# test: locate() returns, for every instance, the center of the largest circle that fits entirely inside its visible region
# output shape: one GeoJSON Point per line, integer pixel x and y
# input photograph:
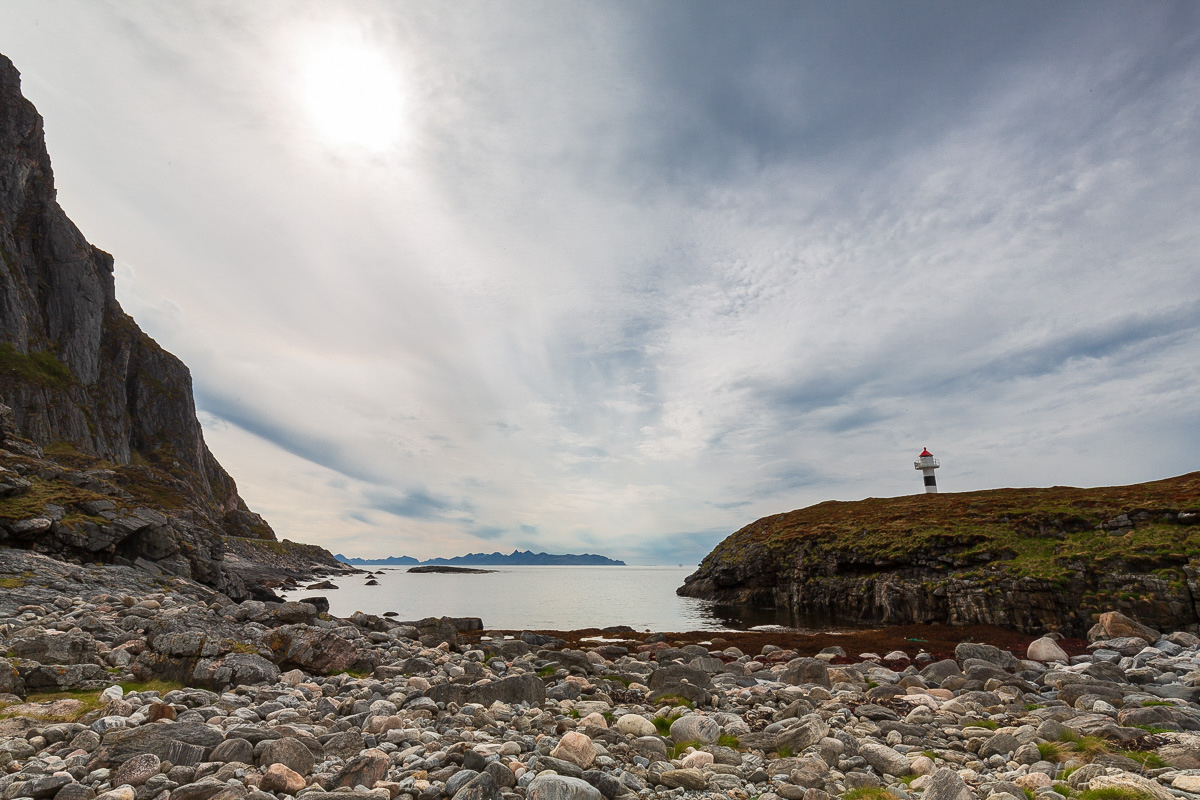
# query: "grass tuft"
{"type": "Point", "coordinates": [1051, 751]}
{"type": "Point", "coordinates": [868, 793]}
{"type": "Point", "coordinates": [1087, 746]}
{"type": "Point", "coordinates": [1145, 759]}
{"type": "Point", "coordinates": [1112, 793]}
{"type": "Point", "coordinates": [681, 747]}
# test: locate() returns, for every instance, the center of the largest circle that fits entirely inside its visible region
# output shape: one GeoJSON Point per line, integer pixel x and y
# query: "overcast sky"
{"type": "Point", "coordinates": [622, 277]}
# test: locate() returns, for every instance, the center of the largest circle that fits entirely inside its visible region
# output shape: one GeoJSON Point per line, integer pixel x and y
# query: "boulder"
{"type": "Point", "coordinates": [674, 674]}
{"type": "Point", "coordinates": [561, 787]}
{"type": "Point", "coordinates": [1117, 625]}
{"type": "Point", "coordinates": [137, 770]}
{"type": "Point", "coordinates": [163, 739]}
{"type": "Point", "coordinates": [481, 787]}
{"type": "Point", "coordinates": [884, 759]}
{"type": "Point", "coordinates": [11, 681]}
{"type": "Point", "coordinates": [367, 769]}
{"type": "Point", "coordinates": [314, 650]}
{"type": "Point", "coordinates": [577, 748]}
{"type": "Point", "coordinates": [61, 677]}
{"type": "Point", "coordinates": [683, 779]}
{"type": "Point", "coordinates": [292, 612]}
{"type": "Point", "coordinates": [1004, 744]}
{"type": "Point", "coordinates": [811, 730]}
{"type": "Point", "coordinates": [515, 689]}
{"type": "Point", "coordinates": [938, 671]}
{"type": "Point", "coordinates": [233, 749]}
{"type": "Point", "coordinates": [803, 671]}
{"type": "Point", "coordinates": [279, 778]}
{"type": "Point", "coordinates": [433, 631]}
{"type": "Point", "coordinates": [287, 751]}
{"type": "Point", "coordinates": [635, 725]}
{"type": "Point", "coordinates": [1044, 650]}
{"type": "Point", "coordinates": [985, 652]}
{"type": "Point", "coordinates": [695, 728]}
{"type": "Point", "coordinates": [55, 647]}
{"type": "Point", "coordinates": [234, 669]}
{"type": "Point", "coordinates": [344, 745]}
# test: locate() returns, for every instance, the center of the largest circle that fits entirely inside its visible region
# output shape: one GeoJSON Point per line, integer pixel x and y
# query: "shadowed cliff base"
{"type": "Point", "coordinates": [1031, 559]}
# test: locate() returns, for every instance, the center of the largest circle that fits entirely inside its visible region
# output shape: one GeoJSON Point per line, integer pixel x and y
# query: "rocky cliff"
{"type": "Point", "coordinates": [1031, 559]}
{"type": "Point", "coordinates": [102, 455]}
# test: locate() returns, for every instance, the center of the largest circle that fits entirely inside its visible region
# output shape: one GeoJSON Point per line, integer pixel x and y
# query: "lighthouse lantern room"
{"type": "Point", "coordinates": [927, 464]}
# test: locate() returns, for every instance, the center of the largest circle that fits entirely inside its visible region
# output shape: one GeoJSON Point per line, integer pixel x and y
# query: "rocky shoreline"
{"type": "Point", "coordinates": [1037, 560]}
{"type": "Point", "coordinates": [272, 701]}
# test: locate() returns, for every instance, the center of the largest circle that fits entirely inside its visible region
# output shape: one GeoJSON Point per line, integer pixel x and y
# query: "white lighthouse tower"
{"type": "Point", "coordinates": [927, 464]}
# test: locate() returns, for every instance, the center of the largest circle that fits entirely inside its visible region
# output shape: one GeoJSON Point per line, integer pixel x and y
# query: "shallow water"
{"type": "Point", "coordinates": [542, 598]}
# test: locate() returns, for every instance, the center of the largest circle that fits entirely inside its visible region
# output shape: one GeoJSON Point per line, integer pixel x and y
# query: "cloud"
{"type": "Point", "coordinates": [641, 269]}
{"type": "Point", "coordinates": [414, 504]}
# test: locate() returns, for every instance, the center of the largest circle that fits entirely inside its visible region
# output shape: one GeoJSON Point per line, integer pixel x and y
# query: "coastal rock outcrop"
{"type": "Point", "coordinates": [101, 454]}
{"type": "Point", "coordinates": [1032, 559]}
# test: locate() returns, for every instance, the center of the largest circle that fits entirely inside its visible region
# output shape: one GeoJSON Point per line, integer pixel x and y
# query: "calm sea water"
{"type": "Point", "coordinates": [542, 598]}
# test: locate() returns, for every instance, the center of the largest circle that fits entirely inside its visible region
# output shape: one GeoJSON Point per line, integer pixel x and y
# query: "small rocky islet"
{"type": "Point", "coordinates": [271, 701]}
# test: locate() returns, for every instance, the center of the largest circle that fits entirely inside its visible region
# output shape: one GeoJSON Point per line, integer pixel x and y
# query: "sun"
{"type": "Point", "coordinates": [352, 96]}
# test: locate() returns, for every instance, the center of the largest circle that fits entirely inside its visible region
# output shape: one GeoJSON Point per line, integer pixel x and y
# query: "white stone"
{"type": "Point", "coordinates": [635, 725]}
{"type": "Point", "coordinates": [1044, 650]}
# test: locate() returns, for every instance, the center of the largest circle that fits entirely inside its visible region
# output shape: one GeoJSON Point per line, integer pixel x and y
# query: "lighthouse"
{"type": "Point", "coordinates": [927, 464]}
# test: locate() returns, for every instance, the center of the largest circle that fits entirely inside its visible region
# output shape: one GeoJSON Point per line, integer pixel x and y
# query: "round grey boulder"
{"type": "Point", "coordinates": [695, 728]}
{"type": "Point", "coordinates": [560, 787]}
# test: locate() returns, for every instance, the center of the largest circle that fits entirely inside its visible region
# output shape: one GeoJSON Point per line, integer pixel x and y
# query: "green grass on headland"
{"type": "Point", "coordinates": [1037, 533]}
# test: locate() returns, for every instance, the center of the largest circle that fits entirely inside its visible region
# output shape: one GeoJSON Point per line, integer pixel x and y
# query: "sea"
{"type": "Point", "coordinates": [545, 598]}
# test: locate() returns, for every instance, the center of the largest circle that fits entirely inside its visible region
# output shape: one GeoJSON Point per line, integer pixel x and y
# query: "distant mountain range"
{"type": "Point", "coordinates": [516, 558]}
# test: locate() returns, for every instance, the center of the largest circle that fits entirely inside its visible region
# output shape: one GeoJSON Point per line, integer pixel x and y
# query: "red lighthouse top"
{"type": "Point", "coordinates": [925, 452]}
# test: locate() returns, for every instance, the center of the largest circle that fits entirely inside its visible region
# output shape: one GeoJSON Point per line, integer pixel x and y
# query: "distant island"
{"type": "Point", "coordinates": [515, 558]}
{"type": "Point", "coordinates": [445, 570]}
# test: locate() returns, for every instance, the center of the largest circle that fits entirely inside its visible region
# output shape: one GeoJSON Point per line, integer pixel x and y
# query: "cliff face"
{"type": "Point", "coordinates": [1031, 559]}
{"type": "Point", "coordinates": [88, 393]}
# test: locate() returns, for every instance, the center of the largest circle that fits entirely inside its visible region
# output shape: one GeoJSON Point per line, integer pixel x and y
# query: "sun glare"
{"type": "Point", "coordinates": [353, 96]}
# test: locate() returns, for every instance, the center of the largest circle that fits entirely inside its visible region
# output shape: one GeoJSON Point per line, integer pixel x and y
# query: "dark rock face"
{"type": "Point", "coordinates": [108, 458]}
{"type": "Point", "coordinates": [516, 689]}
{"type": "Point", "coordinates": [974, 558]}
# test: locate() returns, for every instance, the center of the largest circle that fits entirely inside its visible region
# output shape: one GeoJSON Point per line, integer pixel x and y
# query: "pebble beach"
{"type": "Point", "coordinates": [120, 685]}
